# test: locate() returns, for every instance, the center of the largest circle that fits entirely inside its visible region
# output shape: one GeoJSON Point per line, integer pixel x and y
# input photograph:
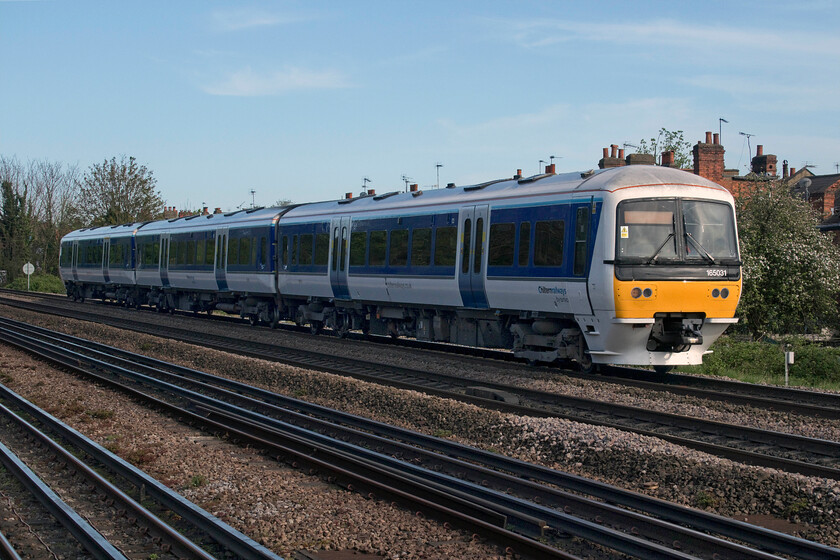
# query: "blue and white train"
{"type": "Point", "coordinates": [630, 265]}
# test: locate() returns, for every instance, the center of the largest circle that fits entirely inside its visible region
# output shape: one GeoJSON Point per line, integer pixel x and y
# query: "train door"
{"type": "Point", "coordinates": [164, 260]}
{"type": "Point", "coordinates": [221, 258]}
{"type": "Point", "coordinates": [106, 259]}
{"type": "Point", "coordinates": [340, 234]}
{"type": "Point", "coordinates": [471, 265]}
{"type": "Point", "coordinates": [74, 261]}
{"type": "Point", "coordinates": [579, 288]}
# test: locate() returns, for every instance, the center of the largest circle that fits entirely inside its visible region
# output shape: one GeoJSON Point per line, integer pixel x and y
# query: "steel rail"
{"type": "Point", "coordinates": [90, 539]}
{"type": "Point", "coordinates": [210, 525]}
{"type": "Point", "coordinates": [762, 539]}
{"type": "Point", "coordinates": [7, 551]}
{"type": "Point", "coordinates": [339, 463]}
{"type": "Point", "coordinates": [419, 380]}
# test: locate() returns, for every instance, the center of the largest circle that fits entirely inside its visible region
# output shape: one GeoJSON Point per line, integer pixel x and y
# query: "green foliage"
{"type": "Point", "coordinates": [118, 192]}
{"type": "Point", "coordinates": [791, 270]}
{"type": "Point", "coordinates": [763, 362]}
{"type": "Point", "coordinates": [669, 140]}
{"type": "Point", "coordinates": [198, 480]}
{"type": "Point", "coordinates": [15, 228]}
{"type": "Point", "coordinates": [46, 283]}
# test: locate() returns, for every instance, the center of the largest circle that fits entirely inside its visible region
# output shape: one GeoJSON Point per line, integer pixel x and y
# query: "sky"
{"type": "Point", "coordinates": [305, 100]}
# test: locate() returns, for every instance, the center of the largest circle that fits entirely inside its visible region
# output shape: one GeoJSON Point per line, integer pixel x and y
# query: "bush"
{"type": "Point", "coordinates": [47, 283]}
{"type": "Point", "coordinates": [763, 361]}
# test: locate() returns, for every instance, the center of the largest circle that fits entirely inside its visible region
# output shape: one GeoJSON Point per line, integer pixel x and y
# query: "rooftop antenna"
{"type": "Point", "coordinates": [253, 203]}
{"type": "Point", "coordinates": [437, 170]}
{"type": "Point", "coordinates": [631, 145]}
{"type": "Point", "coordinates": [365, 181]}
{"type": "Point", "coordinates": [808, 165]}
{"type": "Point", "coordinates": [721, 120]}
{"type": "Point", "coordinates": [836, 167]}
{"type": "Point", "coordinates": [540, 168]}
{"type": "Point", "coordinates": [749, 148]}
{"type": "Point", "coordinates": [406, 179]}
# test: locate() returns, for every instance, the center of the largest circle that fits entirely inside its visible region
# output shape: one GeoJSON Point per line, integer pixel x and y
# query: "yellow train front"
{"type": "Point", "coordinates": [671, 276]}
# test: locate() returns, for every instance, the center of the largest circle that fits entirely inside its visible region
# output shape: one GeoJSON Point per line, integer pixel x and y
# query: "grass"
{"type": "Point", "coordinates": [764, 362]}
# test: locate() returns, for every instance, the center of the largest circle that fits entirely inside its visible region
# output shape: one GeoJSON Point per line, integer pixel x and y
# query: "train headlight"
{"type": "Point", "coordinates": [715, 292]}
{"type": "Point", "coordinates": [724, 293]}
{"type": "Point", "coordinates": [635, 293]}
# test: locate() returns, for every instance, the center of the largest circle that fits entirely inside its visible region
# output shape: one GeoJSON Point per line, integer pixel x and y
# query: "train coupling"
{"type": "Point", "coordinates": [675, 332]}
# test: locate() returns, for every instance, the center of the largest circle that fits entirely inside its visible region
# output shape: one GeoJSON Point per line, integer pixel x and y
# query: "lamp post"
{"type": "Point", "coordinates": [721, 120]}
{"type": "Point", "coordinates": [437, 171]}
{"type": "Point", "coordinates": [540, 168]}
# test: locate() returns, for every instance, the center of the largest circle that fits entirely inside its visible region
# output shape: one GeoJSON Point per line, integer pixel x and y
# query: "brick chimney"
{"type": "Point", "coordinates": [641, 159]}
{"type": "Point", "coordinates": [763, 164]}
{"type": "Point", "coordinates": [611, 158]}
{"type": "Point", "coordinates": [708, 159]}
{"type": "Point", "coordinates": [217, 211]}
{"type": "Point", "coordinates": [667, 158]}
{"type": "Point", "coordinates": [550, 169]}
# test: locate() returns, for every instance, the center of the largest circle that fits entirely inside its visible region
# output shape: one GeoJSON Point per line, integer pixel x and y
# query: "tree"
{"type": "Point", "coordinates": [118, 192]}
{"type": "Point", "coordinates": [15, 230]}
{"type": "Point", "coordinates": [669, 141]}
{"type": "Point", "coordinates": [791, 270]}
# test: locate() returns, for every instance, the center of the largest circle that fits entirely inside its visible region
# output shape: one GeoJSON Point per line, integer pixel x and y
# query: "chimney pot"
{"type": "Point", "coordinates": [784, 169]}
{"type": "Point", "coordinates": [621, 153]}
{"type": "Point", "coordinates": [708, 137]}
{"type": "Point", "coordinates": [606, 152]}
{"type": "Point", "coordinates": [413, 187]}
{"type": "Point", "coordinates": [348, 195]}
{"type": "Point", "coordinates": [550, 169]}
{"type": "Point", "coordinates": [613, 149]}
{"type": "Point", "coordinates": [371, 192]}
{"type": "Point", "coordinates": [716, 137]}
{"type": "Point", "coordinates": [518, 174]}
{"type": "Point", "coordinates": [759, 150]}
{"type": "Point", "coordinates": [217, 211]}
{"type": "Point", "coordinates": [204, 211]}
{"type": "Point", "coordinates": [792, 171]}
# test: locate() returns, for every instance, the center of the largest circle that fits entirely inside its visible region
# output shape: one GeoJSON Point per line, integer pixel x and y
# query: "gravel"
{"type": "Point", "coordinates": [300, 513]}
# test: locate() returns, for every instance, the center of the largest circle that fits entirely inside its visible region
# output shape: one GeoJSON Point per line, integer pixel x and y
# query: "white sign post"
{"type": "Point", "coordinates": [28, 269]}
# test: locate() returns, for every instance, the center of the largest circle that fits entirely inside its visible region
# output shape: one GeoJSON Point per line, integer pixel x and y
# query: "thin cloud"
{"type": "Point", "coordinates": [243, 18]}
{"type": "Point", "coordinates": [542, 33]}
{"type": "Point", "coordinates": [247, 83]}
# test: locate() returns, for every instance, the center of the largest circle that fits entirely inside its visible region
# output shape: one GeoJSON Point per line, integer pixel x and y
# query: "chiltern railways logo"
{"type": "Point", "coordinates": [551, 290]}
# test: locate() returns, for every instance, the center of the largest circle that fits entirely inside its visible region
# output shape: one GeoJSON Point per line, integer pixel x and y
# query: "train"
{"type": "Point", "coordinates": [634, 265]}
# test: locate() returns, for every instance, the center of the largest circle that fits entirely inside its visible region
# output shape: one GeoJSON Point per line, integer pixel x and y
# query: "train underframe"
{"type": "Point", "coordinates": [531, 336]}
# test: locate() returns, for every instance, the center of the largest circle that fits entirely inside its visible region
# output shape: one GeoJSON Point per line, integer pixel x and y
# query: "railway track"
{"type": "Point", "coordinates": [101, 493]}
{"type": "Point", "coordinates": [770, 397]}
{"type": "Point", "coordinates": [791, 453]}
{"type": "Point", "coordinates": [536, 502]}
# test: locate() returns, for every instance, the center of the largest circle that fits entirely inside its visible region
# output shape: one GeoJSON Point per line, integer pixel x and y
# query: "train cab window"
{"type": "Point", "coordinates": [581, 241]}
{"type": "Point", "coordinates": [398, 255]}
{"type": "Point", "coordinates": [524, 243]}
{"type": "Point", "coordinates": [66, 258]}
{"type": "Point", "coordinates": [479, 244]}
{"type": "Point", "coordinates": [708, 230]}
{"type": "Point", "coordinates": [306, 241]}
{"type": "Point", "coordinates": [646, 229]}
{"type": "Point", "coordinates": [378, 241]}
{"type": "Point", "coordinates": [358, 244]}
{"type": "Point", "coordinates": [445, 246]}
{"type": "Point", "coordinates": [322, 248]}
{"type": "Point", "coordinates": [421, 247]}
{"type": "Point", "coordinates": [548, 243]}
{"type": "Point", "coordinates": [501, 245]}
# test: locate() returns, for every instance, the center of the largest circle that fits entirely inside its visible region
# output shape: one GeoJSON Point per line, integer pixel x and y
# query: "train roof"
{"type": "Point", "coordinates": [518, 190]}
{"type": "Point", "coordinates": [249, 217]}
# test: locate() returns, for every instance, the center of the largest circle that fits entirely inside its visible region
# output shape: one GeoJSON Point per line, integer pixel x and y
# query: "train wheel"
{"type": "Point", "coordinates": [253, 320]}
{"type": "Point", "coordinates": [275, 318]}
{"type": "Point", "coordinates": [663, 369]}
{"type": "Point", "coordinates": [315, 327]}
{"type": "Point", "coordinates": [586, 365]}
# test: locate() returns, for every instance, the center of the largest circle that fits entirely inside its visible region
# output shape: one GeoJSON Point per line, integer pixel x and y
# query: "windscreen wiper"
{"type": "Point", "coordinates": [700, 248]}
{"type": "Point", "coordinates": [655, 255]}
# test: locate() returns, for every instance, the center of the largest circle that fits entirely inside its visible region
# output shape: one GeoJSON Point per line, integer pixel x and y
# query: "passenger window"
{"type": "Point", "coordinates": [581, 240]}
{"type": "Point", "coordinates": [306, 248]}
{"type": "Point", "coordinates": [210, 251]}
{"type": "Point", "coordinates": [322, 248]}
{"type": "Point", "coordinates": [524, 243]}
{"type": "Point", "coordinates": [191, 252]}
{"type": "Point", "coordinates": [376, 255]}
{"type": "Point", "coordinates": [500, 248]}
{"type": "Point", "coordinates": [343, 255]}
{"type": "Point", "coordinates": [398, 255]}
{"type": "Point", "coordinates": [245, 251]}
{"type": "Point", "coordinates": [421, 247]}
{"type": "Point", "coordinates": [335, 249]}
{"type": "Point", "coordinates": [294, 250]}
{"type": "Point", "coordinates": [264, 252]}
{"type": "Point", "coordinates": [445, 245]}
{"type": "Point", "coordinates": [548, 244]}
{"type": "Point", "coordinates": [284, 255]}
{"type": "Point", "coordinates": [182, 252]}
{"type": "Point", "coordinates": [200, 251]}
{"type": "Point", "coordinates": [358, 242]}
{"type": "Point", "coordinates": [173, 254]}
{"type": "Point", "coordinates": [465, 247]}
